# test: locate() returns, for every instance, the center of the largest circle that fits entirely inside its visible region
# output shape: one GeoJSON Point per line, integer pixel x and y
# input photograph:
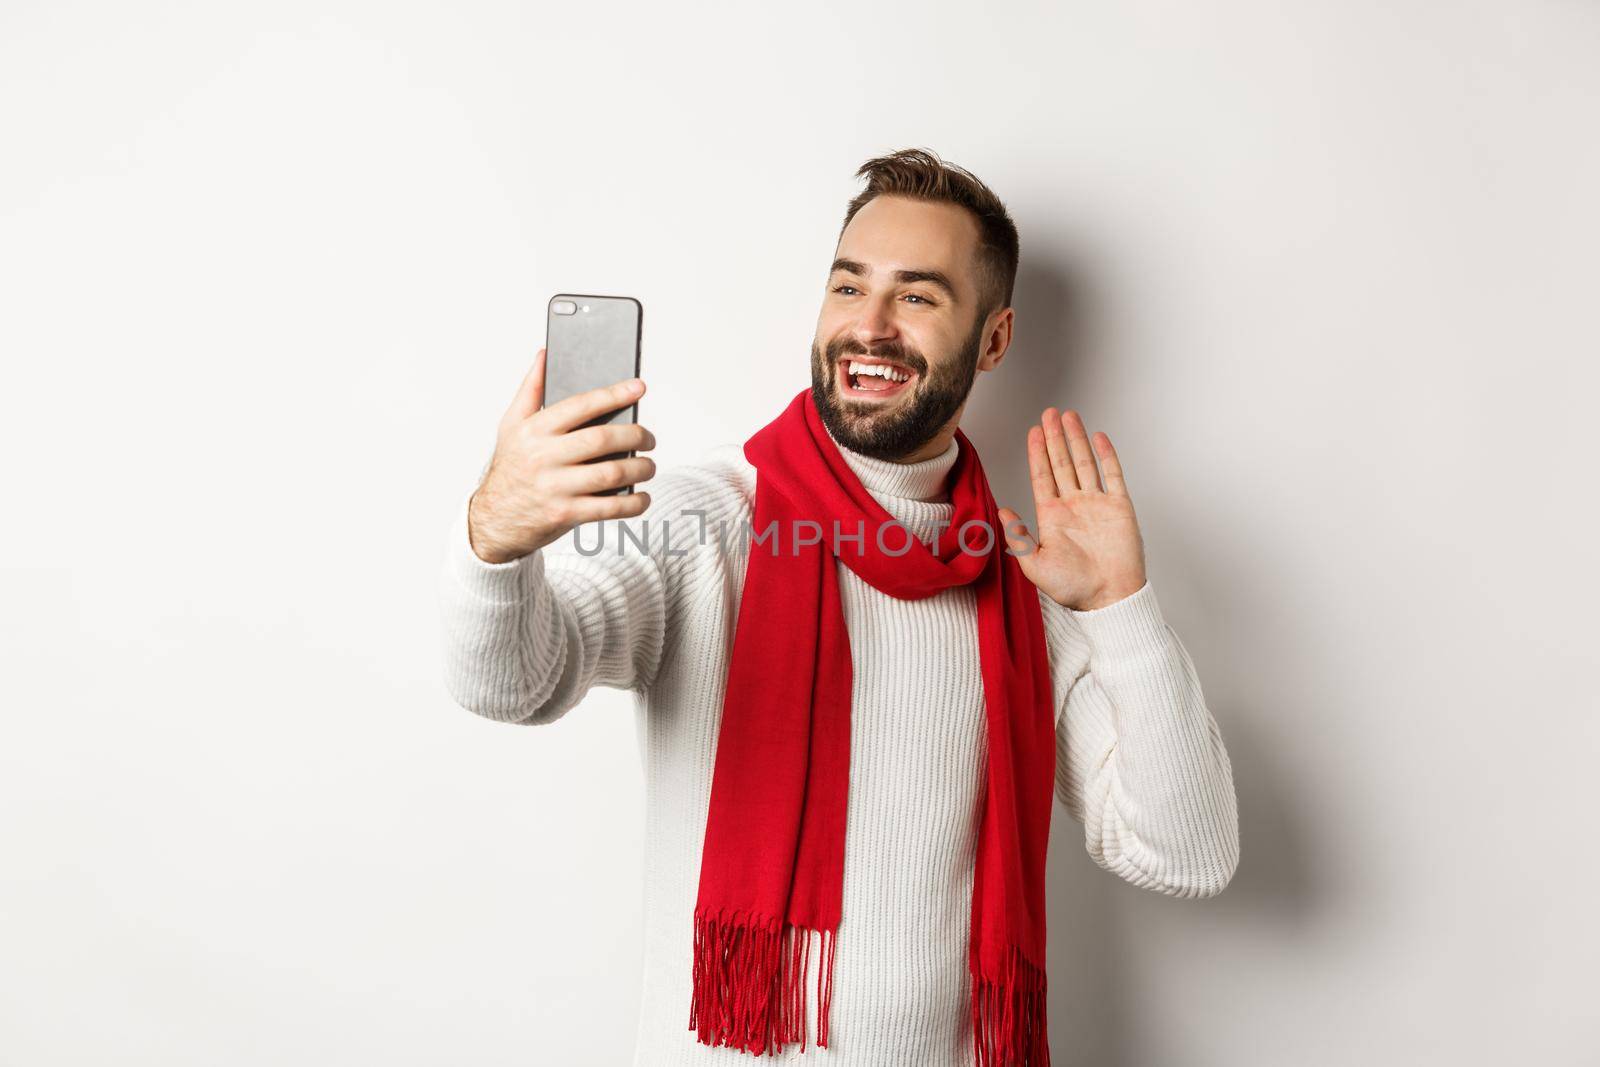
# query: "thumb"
{"type": "Point", "coordinates": [1017, 535]}
{"type": "Point", "coordinates": [530, 394]}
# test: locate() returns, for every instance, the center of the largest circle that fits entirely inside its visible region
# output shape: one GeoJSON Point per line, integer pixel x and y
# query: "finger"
{"type": "Point", "coordinates": [1111, 465]}
{"type": "Point", "coordinates": [598, 508]}
{"type": "Point", "coordinates": [1055, 440]}
{"type": "Point", "coordinates": [1017, 534]}
{"type": "Point", "coordinates": [584, 479]}
{"type": "Point", "coordinates": [530, 394]}
{"type": "Point", "coordinates": [563, 415]}
{"type": "Point", "coordinates": [1082, 454]}
{"type": "Point", "coordinates": [1044, 480]}
{"type": "Point", "coordinates": [591, 442]}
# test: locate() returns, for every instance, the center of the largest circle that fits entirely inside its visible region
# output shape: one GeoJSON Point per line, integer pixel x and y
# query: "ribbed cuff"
{"type": "Point", "coordinates": [1126, 629]}
{"type": "Point", "coordinates": [498, 583]}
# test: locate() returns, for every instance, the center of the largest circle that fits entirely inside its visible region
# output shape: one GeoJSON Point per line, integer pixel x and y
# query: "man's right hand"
{"type": "Point", "coordinates": [539, 486]}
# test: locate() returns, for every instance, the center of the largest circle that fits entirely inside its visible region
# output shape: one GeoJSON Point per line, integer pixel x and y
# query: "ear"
{"type": "Point", "coordinates": [996, 339]}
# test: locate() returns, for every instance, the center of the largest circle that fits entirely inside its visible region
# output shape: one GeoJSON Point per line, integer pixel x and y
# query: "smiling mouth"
{"type": "Point", "coordinates": [873, 379]}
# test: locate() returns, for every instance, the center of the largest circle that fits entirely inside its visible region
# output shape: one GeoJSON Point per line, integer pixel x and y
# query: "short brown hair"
{"type": "Point", "coordinates": [919, 174]}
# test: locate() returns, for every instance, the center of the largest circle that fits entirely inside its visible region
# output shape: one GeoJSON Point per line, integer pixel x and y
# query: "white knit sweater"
{"type": "Point", "coordinates": [1140, 760]}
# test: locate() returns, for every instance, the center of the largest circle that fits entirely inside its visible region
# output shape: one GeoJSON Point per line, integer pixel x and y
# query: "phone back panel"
{"type": "Point", "coordinates": [597, 344]}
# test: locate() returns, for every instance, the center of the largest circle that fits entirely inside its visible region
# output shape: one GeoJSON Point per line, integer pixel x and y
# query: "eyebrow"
{"type": "Point", "coordinates": [932, 277]}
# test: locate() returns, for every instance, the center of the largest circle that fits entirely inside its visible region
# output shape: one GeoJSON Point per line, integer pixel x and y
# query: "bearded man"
{"type": "Point", "coordinates": [861, 685]}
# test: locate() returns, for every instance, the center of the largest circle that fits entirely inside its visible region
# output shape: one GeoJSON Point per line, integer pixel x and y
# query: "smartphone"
{"type": "Point", "coordinates": [592, 341]}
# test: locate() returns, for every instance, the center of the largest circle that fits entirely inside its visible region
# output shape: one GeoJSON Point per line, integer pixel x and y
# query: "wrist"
{"type": "Point", "coordinates": [480, 536]}
{"type": "Point", "coordinates": [1107, 595]}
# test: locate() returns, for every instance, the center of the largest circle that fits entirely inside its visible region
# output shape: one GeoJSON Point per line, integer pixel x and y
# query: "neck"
{"type": "Point", "coordinates": [936, 445]}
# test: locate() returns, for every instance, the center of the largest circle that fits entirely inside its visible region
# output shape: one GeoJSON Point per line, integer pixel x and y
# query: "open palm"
{"type": "Point", "coordinates": [1088, 553]}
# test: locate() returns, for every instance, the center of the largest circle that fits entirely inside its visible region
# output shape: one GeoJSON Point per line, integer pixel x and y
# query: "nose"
{"type": "Point", "coordinates": [876, 323]}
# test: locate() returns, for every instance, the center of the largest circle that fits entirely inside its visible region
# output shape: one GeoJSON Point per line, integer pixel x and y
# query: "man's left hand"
{"type": "Point", "coordinates": [1088, 553]}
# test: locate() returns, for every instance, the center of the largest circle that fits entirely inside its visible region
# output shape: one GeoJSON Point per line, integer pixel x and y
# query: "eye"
{"type": "Point", "coordinates": [919, 298]}
{"type": "Point", "coordinates": [842, 288]}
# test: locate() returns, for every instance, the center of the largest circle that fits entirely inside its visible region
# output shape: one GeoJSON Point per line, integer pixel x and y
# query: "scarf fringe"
{"type": "Point", "coordinates": [1009, 1016]}
{"type": "Point", "coordinates": [750, 982]}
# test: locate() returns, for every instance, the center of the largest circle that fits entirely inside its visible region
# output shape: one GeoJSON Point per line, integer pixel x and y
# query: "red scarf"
{"type": "Point", "coordinates": [772, 869]}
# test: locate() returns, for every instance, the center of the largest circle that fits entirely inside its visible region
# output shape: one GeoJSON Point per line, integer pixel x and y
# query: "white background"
{"type": "Point", "coordinates": [1325, 271]}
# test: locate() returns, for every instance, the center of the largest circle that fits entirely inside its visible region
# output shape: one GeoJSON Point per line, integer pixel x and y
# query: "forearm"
{"type": "Point", "coordinates": [1146, 756]}
{"type": "Point", "coordinates": [525, 640]}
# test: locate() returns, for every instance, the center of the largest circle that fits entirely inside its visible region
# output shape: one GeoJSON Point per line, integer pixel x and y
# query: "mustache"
{"type": "Point", "coordinates": [894, 352]}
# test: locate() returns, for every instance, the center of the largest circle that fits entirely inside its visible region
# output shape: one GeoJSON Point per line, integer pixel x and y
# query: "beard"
{"type": "Point", "coordinates": [892, 432]}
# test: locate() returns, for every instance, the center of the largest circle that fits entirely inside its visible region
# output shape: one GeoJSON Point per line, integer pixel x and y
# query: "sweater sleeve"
{"type": "Point", "coordinates": [1140, 760]}
{"type": "Point", "coordinates": [526, 639]}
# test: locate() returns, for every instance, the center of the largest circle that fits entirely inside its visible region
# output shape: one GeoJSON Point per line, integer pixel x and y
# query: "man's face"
{"type": "Point", "coordinates": [902, 297]}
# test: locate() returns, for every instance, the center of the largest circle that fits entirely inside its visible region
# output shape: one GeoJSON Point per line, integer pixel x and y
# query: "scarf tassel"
{"type": "Point", "coordinates": [1009, 1016]}
{"type": "Point", "coordinates": [750, 982]}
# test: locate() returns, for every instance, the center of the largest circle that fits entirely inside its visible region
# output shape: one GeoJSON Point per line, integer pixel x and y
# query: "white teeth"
{"type": "Point", "coordinates": [878, 369]}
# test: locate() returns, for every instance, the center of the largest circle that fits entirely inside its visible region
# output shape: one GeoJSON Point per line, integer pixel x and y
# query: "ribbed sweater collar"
{"type": "Point", "coordinates": [925, 480]}
{"type": "Point", "coordinates": [916, 494]}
